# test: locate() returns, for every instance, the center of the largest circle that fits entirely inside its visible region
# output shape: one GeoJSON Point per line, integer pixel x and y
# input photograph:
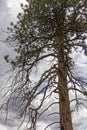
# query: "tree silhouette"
{"type": "Point", "coordinates": [48, 31]}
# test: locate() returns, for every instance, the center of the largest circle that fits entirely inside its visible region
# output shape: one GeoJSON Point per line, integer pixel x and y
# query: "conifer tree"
{"type": "Point", "coordinates": [48, 30]}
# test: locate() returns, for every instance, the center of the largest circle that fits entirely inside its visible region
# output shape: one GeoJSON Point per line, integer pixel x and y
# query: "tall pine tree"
{"type": "Point", "coordinates": [48, 30]}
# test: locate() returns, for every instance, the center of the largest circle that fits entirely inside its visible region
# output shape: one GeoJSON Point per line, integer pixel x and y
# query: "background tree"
{"type": "Point", "coordinates": [48, 30]}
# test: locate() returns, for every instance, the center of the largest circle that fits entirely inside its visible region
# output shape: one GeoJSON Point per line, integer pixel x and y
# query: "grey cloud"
{"type": "Point", "coordinates": [6, 16]}
{"type": "Point", "coordinates": [3, 6]}
{"type": "Point", "coordinates": [4, 12]}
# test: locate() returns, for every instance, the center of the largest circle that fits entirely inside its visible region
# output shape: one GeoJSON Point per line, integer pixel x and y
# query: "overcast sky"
{"type": "Point", "coordinates": [8, 13]}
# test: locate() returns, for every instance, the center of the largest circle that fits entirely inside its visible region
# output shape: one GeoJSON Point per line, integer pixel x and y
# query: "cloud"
{"type": "Point", "coordinates": [3, 8]}
{"type": "Point", "coordinates": [80, 63]}
{"type": "Point", "coordinates": [9, 10]}
{"type": "Point", "coordinates": [3, 127]}
{"type": "Point", "coordinates": [80, 119]}
{"type": "Point", "coordinates": [8, 13]}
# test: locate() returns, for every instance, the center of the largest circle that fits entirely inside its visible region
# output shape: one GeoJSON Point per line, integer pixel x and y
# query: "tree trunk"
{"type": "Point", "coordinates": [64, 104]}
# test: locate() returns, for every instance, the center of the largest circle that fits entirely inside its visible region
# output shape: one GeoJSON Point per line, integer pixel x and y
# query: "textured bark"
{"type": "Point", "coordinates": [64, 104]}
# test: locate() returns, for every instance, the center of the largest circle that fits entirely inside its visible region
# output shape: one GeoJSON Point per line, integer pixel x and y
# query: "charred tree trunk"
{"type": "Point", "coordinates": [64, 104]}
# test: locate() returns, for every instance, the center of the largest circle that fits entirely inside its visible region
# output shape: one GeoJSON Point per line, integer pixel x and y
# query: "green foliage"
{"type": "Point", "coordinates": [6, 58]}
{"type": "Point", "coordinates": [44, 20]}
